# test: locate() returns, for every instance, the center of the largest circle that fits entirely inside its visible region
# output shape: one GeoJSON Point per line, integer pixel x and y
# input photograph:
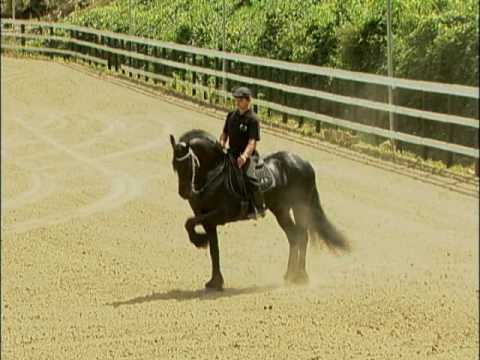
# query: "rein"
{"type": "Point", "coordinates": [235, 174]}
{"type": "Point", "coordinates": [195, 166]}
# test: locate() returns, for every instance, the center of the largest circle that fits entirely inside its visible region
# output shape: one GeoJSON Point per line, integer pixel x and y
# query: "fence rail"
{"type": "Point", "coordinates": [160, 60]}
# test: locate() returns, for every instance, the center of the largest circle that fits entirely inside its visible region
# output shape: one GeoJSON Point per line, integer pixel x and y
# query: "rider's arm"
{"type": "Point", "coordinates": [223, 139]}
{"type": "Point", "coordinates": [249, 150]}
{"type": "Point", "coordinates": [224, 135]}
{"type": "Point", "coordinates": [253, 137]}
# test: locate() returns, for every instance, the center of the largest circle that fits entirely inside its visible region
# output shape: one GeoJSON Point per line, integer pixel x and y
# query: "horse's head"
{"type": "Point", "coordinates": [184, 164]}
{"type": "Point", "coordinates": [194, 156]}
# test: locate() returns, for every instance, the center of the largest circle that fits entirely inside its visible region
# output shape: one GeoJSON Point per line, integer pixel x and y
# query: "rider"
{"type": "Point", "coordinates": [242, 130]}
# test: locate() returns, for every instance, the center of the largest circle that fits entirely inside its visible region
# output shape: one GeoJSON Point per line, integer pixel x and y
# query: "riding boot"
{"type": "Point", "coordinates": [253, 189]}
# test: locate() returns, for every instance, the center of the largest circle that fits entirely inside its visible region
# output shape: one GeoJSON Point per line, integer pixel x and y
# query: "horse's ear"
{"type": "Point", "coordinates": [172, 141]}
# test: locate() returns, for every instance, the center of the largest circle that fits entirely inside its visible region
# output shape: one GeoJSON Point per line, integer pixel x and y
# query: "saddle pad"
{"type": "Point", "coordinates": [265, 177]}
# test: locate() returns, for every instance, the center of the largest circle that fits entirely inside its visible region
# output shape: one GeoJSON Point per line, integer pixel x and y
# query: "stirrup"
{"type": "Point", "coordinates": [244, 205]}
{"type": "Point", "coordinates": [261, 212]}
{"type": "Point", "coordinates": [257, 213]}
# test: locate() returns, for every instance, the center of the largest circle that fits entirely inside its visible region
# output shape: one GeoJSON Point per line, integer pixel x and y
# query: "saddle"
{"type": "Point", "coordinates": [236, 181]}
{"type": "Point", "coordinates": [264, 175]}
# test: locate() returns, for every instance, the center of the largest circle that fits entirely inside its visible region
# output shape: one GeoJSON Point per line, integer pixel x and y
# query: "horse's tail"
{"type": "Point", "coordinates": [320, 225]}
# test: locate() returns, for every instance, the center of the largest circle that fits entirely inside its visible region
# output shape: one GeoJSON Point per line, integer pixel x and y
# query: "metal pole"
{"type": "Point", "coordinates": [390, 67]}
{"type": "Point", "coordinates": [476, 143]}
{"type": "Point", "coordinates": [14, 5]}
{"type": "Point", "coordinates": [130, 17]}
{"type": "Point", "coordinates": [224, 61]}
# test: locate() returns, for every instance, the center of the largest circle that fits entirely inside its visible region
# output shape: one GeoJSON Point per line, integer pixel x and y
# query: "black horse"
{"type": "Point", "coordinates": [209, 180]}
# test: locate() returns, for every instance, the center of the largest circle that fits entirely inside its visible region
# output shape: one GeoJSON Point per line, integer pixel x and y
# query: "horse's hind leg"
{"type": "Point", "coordinates": [301, 221]}
{"type": "Point", "coordinates": [286, 223]}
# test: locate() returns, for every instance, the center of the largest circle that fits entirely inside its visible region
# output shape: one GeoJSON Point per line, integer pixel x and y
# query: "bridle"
{"type": "Point", "coordinates": [195, 166]}
{"type": "Point", "coordinates": [195, 162]}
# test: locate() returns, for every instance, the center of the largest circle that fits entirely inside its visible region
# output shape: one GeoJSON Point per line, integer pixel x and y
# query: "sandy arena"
{"type": "Point", "coordinates": [96, 263]}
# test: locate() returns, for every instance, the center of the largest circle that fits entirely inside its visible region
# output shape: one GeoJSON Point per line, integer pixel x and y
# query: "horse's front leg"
{"type": "Point", "coordinates": [216, 282]}
{"type": "Point", "coordinates": [200, 240]}
{"type": "Point", "coordinates": [209, 238]}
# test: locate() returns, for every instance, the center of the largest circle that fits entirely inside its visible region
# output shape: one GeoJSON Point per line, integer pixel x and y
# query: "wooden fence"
{"type": "Point", "coordinates": [324, 96]}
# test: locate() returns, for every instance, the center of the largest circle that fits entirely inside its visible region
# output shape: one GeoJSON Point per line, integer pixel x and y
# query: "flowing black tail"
{"type": "Point", "coordinates": [320, 225]}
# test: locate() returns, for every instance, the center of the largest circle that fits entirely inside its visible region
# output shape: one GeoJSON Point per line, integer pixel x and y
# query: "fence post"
{"type": "Point", "coordinates": [284, 96]}
{"type": "Point", "coordinates": [255, 87]}
{"type": "Point", "coordinates": [226, 83]}
{"type": "Point", "coordinates": [96, 52]}
{"type": "Point", "coordinates": [110, 54]}
{"type": "Point", "coordinates": [217, 81]}
{"type": "Point", "coordinates": [133, 61]}
{"type": "Point", "coordinates": [155, 65]}
{"type": "Point", "coordinates": [378, 115]}
{"type": "Point", "coordinates": [102, 53]}
{"type": "Point", "coordinates": [136, 62]}
{"type": "Point", "coordinates": [301, 101]}
{"type": "Point", "coordinates": [66, 47]}
{"type": "Point", "coordinates": [50, 43]}
{"type": "Point", "coordinates": [22, 30]}
{"type": "Point", "coordinates": [269, 91]}
{"type": "Point", "coordinates": [74, 36]}
{"type": "Point", "coordinates": [112, 43]}
{"type": "Point", "coordinates": [130, 60]}
{"type": "Point", "coordinates": [476, 141]}
{"type": "Point", "coordinates": [183, 72]}
{"type": "Point", "coordinates": [450, 132]}
{"type": "Point", "coordinates": [424, 129]}
{"type": "Point", "coordinates": [89, 50]}
{"type": "Point", "coordinates": [121, 45]}
{"type": "Point", "coordinates": [205, 64]}
{"type": "Point", "coordinates": [194, 76]}
{"type": "Point", "coordinates": [391, 98]}
{"type": "Point", "coordinates": [70, 42]}
{"type": "Point", "coordinates": [115, 45]}
{"type": "Point", "coordinates": [318, 106]}
{"type": "Point", "coordinates": [105, 42]}
{"type": "Point", "coordinates": [301, 121]}
{"type": "Point", "coordinates": [145, 62]}
{"type": "Point", "coordinates": [477, 170]}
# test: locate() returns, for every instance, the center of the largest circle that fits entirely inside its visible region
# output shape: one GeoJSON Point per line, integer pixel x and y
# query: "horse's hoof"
{"type": "Point", "coordinates": [200, 243]}
{"type": "Point", "coordinates": [301, 278]}
{"type": "Point", "coordinates": [215, 284]}
{"type": "Point", "coordinates": [289, 277]}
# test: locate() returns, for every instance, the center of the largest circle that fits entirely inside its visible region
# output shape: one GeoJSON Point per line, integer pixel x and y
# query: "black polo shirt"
{"type": "Point", "coordinates": [240, 128]}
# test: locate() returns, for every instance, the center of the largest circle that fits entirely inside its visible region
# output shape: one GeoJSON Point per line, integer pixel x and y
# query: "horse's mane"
{"type": "Point", "coordinates": [197, 133]}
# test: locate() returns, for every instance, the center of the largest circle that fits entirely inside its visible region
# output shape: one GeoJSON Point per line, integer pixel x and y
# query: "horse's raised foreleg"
{"type": "Point", "coordinates": [200, 239]}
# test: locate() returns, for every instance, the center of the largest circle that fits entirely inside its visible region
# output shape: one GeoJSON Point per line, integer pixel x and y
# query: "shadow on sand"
{"type": "Point", "coordinates": [201, 294]}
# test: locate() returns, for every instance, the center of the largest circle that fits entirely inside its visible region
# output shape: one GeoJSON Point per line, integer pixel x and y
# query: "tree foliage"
{"type": "Point", "coordinates": [433, 39]}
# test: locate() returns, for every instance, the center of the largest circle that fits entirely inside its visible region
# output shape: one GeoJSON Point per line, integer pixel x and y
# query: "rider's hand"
{"type": "Point", "coordinates": [241, 161]}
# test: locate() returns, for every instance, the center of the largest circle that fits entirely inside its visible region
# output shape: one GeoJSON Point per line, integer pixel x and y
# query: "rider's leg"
{"type": "Point", "coordinates": [254, 188]}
